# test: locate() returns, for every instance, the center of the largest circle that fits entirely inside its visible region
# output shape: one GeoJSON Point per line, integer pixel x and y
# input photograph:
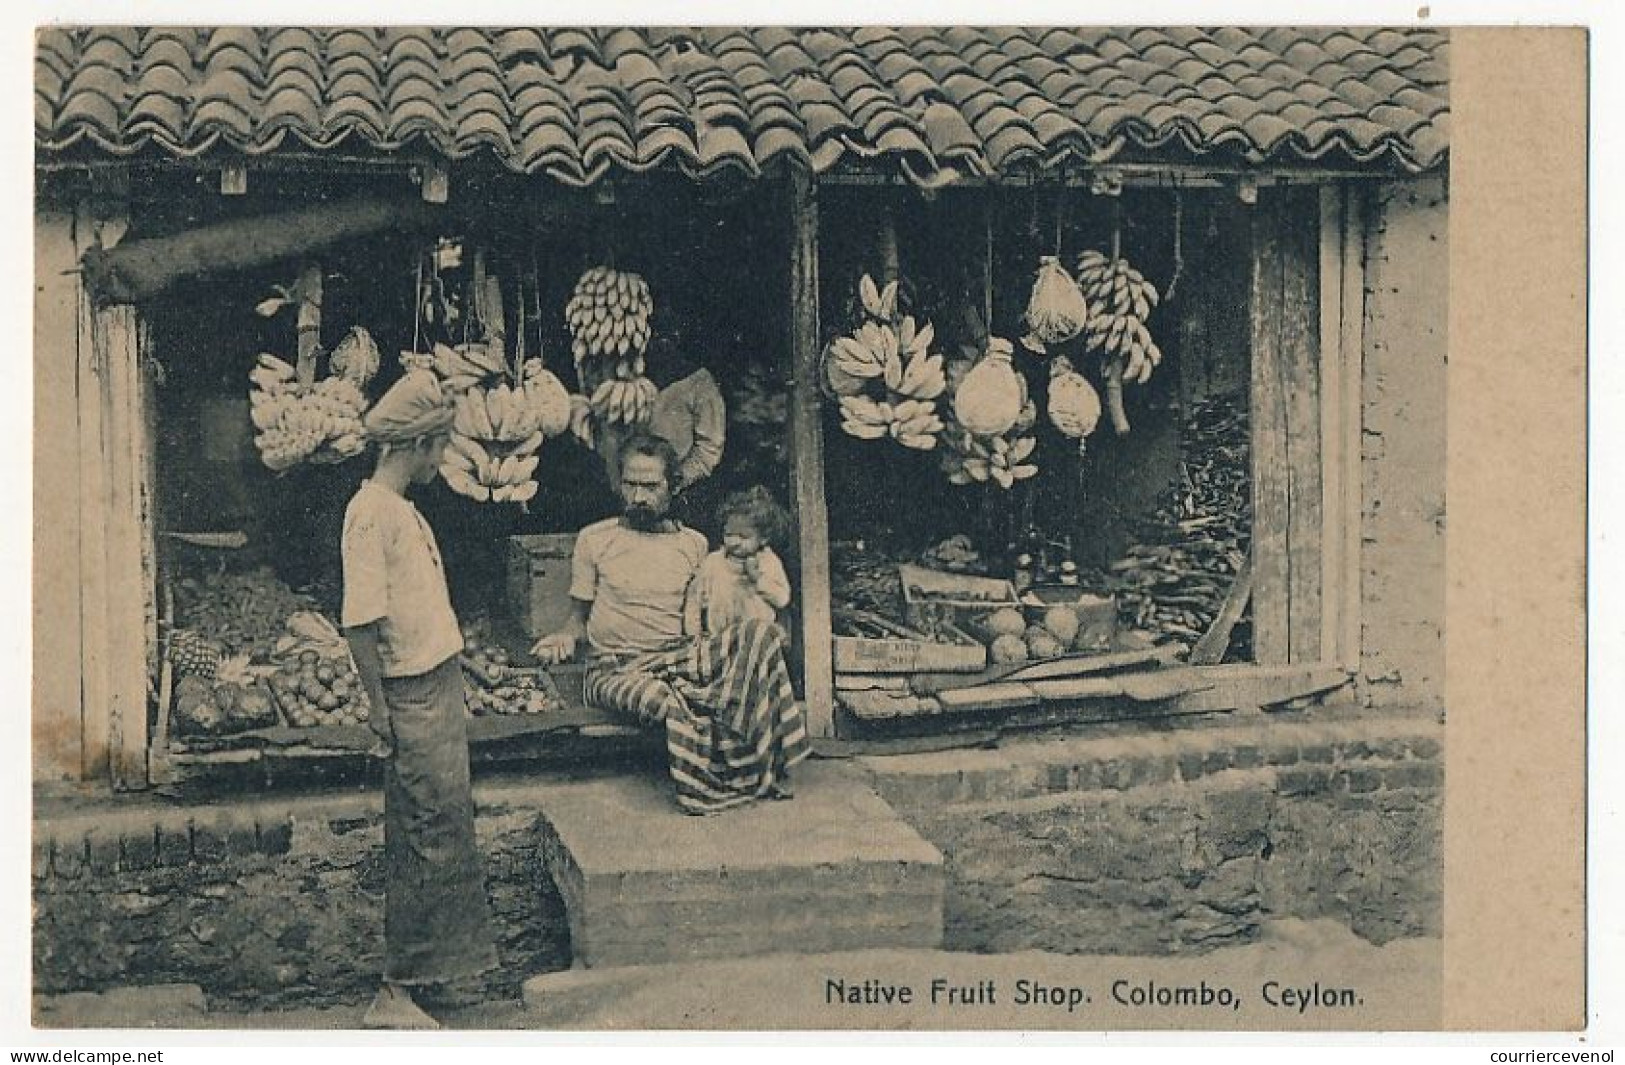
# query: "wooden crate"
{"type": "Point", "coordinates": [855, 654]}
{"type": "Point", "coordinates": [539, 581]}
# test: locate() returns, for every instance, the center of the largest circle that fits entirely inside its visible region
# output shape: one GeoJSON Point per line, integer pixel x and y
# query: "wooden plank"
{"type": "Point", "coordinates": [1271, 567]}
{"type": "Point", "coordinates": [127, 515]}
{"type": "Point", "coordinates": [1284, 325]}
{"type": "Point", "coordinates": [141, 269]}
{"type": "Point", "coordinates": [1211, 648]}
{"type": "Point", "coordinates": [57, 735]}
{"type": "Point", "coordinates": [1000, 696]}
{"type": "Point", "coordinates": [807, 457]}
{"type": "Point", "coordinates": [1351, 364]}
{"type": "Point", "coordinates": [1260, 687]}
{"type": "Point", "coordinates": [1300, 373]}
{"type": "Point", "coordinates": [94, 700]}
{"type": "Point", "coordinates": [853, 654]}
{"type": "Point", "coordinates": [1331, 420]}
{"type": "Point", "coordinates": [866, 682]}
{"type": "Point", "coordinates": [1050, 669]}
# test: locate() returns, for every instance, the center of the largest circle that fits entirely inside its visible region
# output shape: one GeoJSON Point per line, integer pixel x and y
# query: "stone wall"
{"type": "Point", "coordinates": [1185, 840]}
{"type": "Point", "coordinates": [1407, 300]}
{"type": "Point", "coordinates": [261, 905]}
{"type": "Point", "coordinates": [1131, 839]}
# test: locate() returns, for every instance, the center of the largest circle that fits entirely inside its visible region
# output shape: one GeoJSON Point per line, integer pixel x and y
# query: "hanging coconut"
{"type": "Point", "coordinates": [1057, 310]}
{"type": "Point", "coordinates": [989, 399]}
{"type": "Point", "coordinates": [1074, 406]}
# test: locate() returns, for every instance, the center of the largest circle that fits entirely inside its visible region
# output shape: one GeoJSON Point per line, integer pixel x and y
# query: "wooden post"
{"type": "Point", "coordinates": [309, 290]}
{"type": "Point", "coordinates": [95, 701]}
{"type": "Point", "coordinates": [132, 576]}
{"type": "Point", "coordinates": [58, 733]}
{"type": "Point", "coordinates": [118, 550]}
{"type": "Point", "coordinates": [807, 457]}
{"type": "Point", "coordinates": [1284, 317]}
{"type": "Point", "coordinates": [891, 267]}
{"type": "Point", "coordinates": [1351, 347]}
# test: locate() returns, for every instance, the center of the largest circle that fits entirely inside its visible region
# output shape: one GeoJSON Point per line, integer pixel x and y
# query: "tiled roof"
{"type": "Point", "coordinates": [577, 103]}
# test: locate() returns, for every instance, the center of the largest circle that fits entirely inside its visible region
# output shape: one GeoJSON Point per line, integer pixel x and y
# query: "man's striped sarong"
{"type": "Point", "coordinates": [732, 723]}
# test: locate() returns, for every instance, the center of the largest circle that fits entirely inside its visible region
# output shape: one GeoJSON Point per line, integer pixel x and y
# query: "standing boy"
{"type": "Point", "coordinates": [405, 639]}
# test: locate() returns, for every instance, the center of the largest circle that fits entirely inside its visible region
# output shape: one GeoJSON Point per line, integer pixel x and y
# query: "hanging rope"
{"type": "Point", "coordinates": [1060, 206]}
{"type": "Point", "coordinates": [1179, 245]}
{"type": "Point", "coordinates": [536, 309]}
{"type": "Point", "coordinates": [417, 302]}
{"type": "Point", "coordinates": [1117, 228]}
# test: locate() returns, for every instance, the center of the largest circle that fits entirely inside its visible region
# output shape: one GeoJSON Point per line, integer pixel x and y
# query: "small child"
{"type": "Point", "coordinates": [743, 579]}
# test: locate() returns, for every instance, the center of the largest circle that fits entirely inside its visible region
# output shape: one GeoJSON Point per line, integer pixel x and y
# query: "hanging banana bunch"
{"type": "Point", "coordinates": [502, 415]}
{"type": "Point", "coordinates": [487, 472]}
{"type": "Point", "coordinates": [1002, 458]}
{"type": "Point", "coordinates": [1122, 300]}
{"type": "Point", "coordinates": [885, 376]}
{"type": "Point", "coordinates": [319, 422]}
{"type": "Point", "coordinates": [608, 315]}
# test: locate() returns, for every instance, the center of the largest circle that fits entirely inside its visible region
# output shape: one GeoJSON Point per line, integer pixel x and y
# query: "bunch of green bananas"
{"type": "Point", "coordinates": [298, 423]}
{"type": "Point", "coordinates": [608, 314]}
{"type": "Point", "coordinates": [1122, 300]}
{"type": "Point", "coordinates": [491, 474]}
{"type": "Point", "coordinates": [624, 401]}
{"type": "Point", "coordinates": [885, 376]}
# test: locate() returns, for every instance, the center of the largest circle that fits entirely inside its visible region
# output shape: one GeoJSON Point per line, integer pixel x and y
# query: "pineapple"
{"type": "Point", "coordinates": [195, 655]}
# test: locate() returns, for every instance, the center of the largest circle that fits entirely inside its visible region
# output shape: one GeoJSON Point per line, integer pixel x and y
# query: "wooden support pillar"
{"type": "Point", "coordinates": [1342, 314]}
{"type": "Point", "coordinates": [58, 734]}
{"type": "Point", "coordinates": [807, 457]}
{"type": "Point", "coordinates": [1284, 328]}
{"type": "Point", "coordinates": [118, 551]}
{"type": "Point", "coordinates": [94, 700]}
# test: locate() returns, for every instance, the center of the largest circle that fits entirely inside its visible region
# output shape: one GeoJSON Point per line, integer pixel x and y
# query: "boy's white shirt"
{"type": "Point", "coordinates": [393, 576]}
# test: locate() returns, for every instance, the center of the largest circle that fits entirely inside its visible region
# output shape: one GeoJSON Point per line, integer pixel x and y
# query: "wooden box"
{"type": "Point", "coordinates": [857, 655]}
{"type": "Point", "coordinates": [539, 581]}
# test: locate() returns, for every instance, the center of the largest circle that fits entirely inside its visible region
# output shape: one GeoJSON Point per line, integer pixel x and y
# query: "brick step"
{"type": "Point", "coordinates": [834, 869]}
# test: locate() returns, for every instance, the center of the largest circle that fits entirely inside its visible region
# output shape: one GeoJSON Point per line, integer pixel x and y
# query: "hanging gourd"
{"type": "Point", "coordinates": [988, 401]}
{"type": "Point", "coordinates": [1074, 406]}
{"type": "Point", "coordinates": [1057, 310]}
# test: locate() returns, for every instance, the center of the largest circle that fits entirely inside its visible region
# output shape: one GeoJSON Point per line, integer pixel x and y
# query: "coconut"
{"type": "Point", "coordinates": [1009, 650]}
{"type": "Point", "coordinates": [1006, 621]}
{"type": "Point", "coordinates": [1061, 621]}
{"type": "Point", "coordinates": [1043, 645]}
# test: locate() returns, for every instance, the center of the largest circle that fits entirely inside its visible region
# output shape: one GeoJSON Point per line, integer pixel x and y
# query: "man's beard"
{"type": "Point", "coordinates": [644, 519]}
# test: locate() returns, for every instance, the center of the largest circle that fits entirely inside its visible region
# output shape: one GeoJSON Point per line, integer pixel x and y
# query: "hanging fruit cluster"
{"type": "Point", "coordinates": [1123, 300]}
{"type": "Point", "coordinates": [1074, 406]}
{"type": "Point", "coordinates": [318, 421]}
{"type": "Point", "coordinates": [608, 315]}
{"type": "Point", "coordinates": [499, 427]}
{"type": "Point", "coordinates": [988, 439]}
{"type": "Point", "coordinates": [1057, 310]}
{"type": "Point", "coordinates": [884, 375]}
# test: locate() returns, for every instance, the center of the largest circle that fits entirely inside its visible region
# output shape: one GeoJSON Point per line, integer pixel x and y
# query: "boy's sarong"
{"type": "Point", "coordinates": [436, 918]}
{"type": "Point", "coordinates": [732, 723]}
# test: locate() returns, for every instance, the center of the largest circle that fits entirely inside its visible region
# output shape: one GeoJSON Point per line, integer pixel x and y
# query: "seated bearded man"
{"type": "Point", "coordinates": [732, 725]}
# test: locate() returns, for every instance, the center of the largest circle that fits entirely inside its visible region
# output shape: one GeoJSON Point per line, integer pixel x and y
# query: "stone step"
{"type": "Point", "coordinates": [833, 869]}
